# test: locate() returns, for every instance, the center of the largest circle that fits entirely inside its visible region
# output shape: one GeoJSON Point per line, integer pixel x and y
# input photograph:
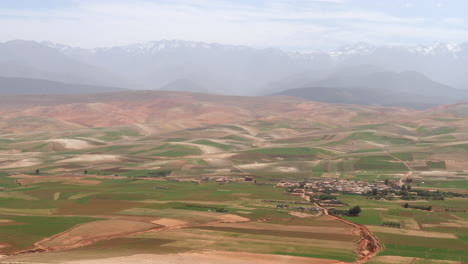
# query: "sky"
{"type": "Point", "coordinates": [295, 25]}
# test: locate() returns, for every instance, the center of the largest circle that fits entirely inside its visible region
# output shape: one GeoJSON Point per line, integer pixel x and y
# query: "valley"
{"type": "Point", "coordinates": [134, 175]}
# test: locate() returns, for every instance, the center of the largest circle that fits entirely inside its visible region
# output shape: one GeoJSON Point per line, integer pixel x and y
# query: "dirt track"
{"type": "Point", "coordinates": [402, 180]}
{"type": "Point", "coordinates": [368, 244]}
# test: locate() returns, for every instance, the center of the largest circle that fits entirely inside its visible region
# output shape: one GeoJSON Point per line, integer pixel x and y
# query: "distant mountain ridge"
{"type": "Point", "coordinates": [366, 96]}
{"type": "Point", "coordinates": [184, 85]}
{"type": "Point", "coordinates": [25, 86]}
{"type": "Point", "coordinates": [406, 89]}
{"type": "Point", "coordinates": [30, 59]}
{"type": "Point", "coordinates": [230, 69]}
{"type": "Point", "coordinates": [358, 49]}
{"type": "Point", "coordinates": [439, 61]}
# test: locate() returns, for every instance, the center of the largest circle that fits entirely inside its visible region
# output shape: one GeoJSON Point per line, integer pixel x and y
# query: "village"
{"type": "Point", "coordinates": [334, 185]}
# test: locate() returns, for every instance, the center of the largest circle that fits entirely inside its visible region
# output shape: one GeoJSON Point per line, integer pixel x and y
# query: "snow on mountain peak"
{"type": "Point", "coordinates": [357, 49]}
{"type": "Point", "coordinates": [154, 47]}
{"type": "Point", "coordinates": [360, 48]}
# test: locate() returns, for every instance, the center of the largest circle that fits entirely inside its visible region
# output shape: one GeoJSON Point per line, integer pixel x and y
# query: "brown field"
{"type": "Point", "coordinates": [208, 257]}
{"type": "Point", "coordinates": [89, 233]}
{"type": "Point", "coordinates": [170, 223]}
{"type": "Point", "coordinates": [96, 207]}
{"type": "Point", "coordinates": [283, 233]}
{"type": "Point", "coordinates": [407, 260]}
{"type": "Point", "coordinates": [340, 229]}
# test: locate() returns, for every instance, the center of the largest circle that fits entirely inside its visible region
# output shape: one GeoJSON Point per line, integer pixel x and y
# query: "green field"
{"type": "Point", "coordinates": [219, 184]}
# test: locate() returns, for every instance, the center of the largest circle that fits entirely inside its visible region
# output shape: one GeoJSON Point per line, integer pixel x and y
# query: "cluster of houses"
{"type": "Point", "coordinates": [222, 180]}
{"type": "Point", "coordinates": [286, 206]}
{"type": "Point", "coordinates": [334, 185]}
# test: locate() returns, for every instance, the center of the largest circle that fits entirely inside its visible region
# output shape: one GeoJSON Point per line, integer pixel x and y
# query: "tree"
{"type": "Point", "coordinates": [38, 172]}
{"type": "Point", "coordinates": [387, 182]}
{"type": "Point", "coordinates": [375, 192]}
{"type": "Point", "coordinates": [355, 211]}
{"type": "Point", "coordinates": [406, 205]}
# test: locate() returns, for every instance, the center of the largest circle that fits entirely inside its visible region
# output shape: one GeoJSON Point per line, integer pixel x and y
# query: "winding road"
{"type": "Point", "coordinates": [368, 244]}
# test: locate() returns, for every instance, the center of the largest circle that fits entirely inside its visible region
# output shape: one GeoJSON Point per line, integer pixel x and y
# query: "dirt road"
{"type": "Point", "coordinates": [368, 244]}
{"type": "Point", "coordinates": [403, 179]}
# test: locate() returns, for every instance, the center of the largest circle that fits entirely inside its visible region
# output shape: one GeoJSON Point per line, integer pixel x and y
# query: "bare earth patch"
{"type": "Point", "coordinates": [170, 223]}
{"type": "Point", "coordinates": [286, 169]}
{"type": "Point", "coordinates": [21, 163]}
{"type": "Point", "coordinates": [72, 143]}
{"type": "Point", "coordinates": [92, 158]}
{"type": "Point", "coordinates": [254, 165]}
{"type": "Point", "coordinates": [300, 215]}
{"type": "Point", "coordinates": [230, 218]}
{"type": "Point", "coordinates": [208, 257]}
{"type": "Point", "coordinates": [217, 162]}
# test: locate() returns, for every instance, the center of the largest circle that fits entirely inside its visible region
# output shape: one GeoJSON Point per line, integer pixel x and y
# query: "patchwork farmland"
{"type": "Point", "coordinates": [252, 190]}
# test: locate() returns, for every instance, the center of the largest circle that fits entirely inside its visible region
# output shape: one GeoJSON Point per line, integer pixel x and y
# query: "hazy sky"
{"type": "Point", "coordinates": [300, 25]}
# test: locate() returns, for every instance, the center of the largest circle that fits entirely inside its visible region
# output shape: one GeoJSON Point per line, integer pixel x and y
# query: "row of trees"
{"type": "Point", "coordinates": [354, 211]}
{"type": "Point", "coordinates": [420, 207]}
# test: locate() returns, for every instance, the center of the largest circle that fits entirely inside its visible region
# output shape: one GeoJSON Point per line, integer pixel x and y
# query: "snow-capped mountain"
{"type": "Point", "coordinates": [219, 68]}
{"type": "Point", "coordinates": [238, 69]}
{"type": "Point", "coordinates": [357, 49]}
{"type": "Point", "coordinates": [436, 49]}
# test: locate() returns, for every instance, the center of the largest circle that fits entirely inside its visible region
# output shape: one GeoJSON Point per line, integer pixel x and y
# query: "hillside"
{"type": "Point", "coordinates": [366, 96]}
{"type": "Point", "coordinates": [184, 109]}
{"type": "Point", "coordinates": [369, 85]}
{"type": "Point", "coordinates": [411, 82]}
{"type": "Point", "coordinates": [24, 86]}
{"type": "Point", "coordinates": [460, 109]}
{"type": "Point", "coordinates": [30, 59]}
{"type": "Point", "coordinates": [159, 173]}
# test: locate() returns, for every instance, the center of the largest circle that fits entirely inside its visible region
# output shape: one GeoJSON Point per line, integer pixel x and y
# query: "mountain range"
{"type": "Point", "coordinates": [420, 71]}
{"type": "Point", "coordinates": [25, 86]}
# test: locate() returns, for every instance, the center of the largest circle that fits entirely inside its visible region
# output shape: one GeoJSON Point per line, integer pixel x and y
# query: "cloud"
{"type": "Point", "coordinates": [295, 24]}
{"type": "Point", "coordinates": [454, 21]}
{"type": "Point", "coordinates": [408, 4]}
